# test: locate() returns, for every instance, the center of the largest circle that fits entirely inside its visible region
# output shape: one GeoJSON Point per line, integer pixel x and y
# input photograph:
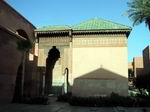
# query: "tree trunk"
{"type": "Point", "coordinates": [18, 93]}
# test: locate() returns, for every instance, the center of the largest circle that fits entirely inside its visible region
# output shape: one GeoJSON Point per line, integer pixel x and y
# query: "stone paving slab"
{"type": "Point", "coordinates": [64, 107]}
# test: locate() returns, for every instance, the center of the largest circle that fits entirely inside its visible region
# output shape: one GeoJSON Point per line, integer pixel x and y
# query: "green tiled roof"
{"type": "Point", "coordinates": [45, 28]}
{"type": "Point", "coordinates": [92, 24]}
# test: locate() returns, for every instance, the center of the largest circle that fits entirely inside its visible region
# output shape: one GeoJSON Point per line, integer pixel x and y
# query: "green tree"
{"type": "Point", "coordinates": [139, 11]}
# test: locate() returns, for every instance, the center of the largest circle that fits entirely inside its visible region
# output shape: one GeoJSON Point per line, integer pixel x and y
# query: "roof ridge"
{"type": "Point", "coordinates": [89, 24]}
{"type": "Point", "coordinates": [101, 24]}
{"type": "Point", "coordinates": [116, 23]}
{"type": "Point", "coordinates": [97, 18]}
{"type": "Point", "coordinates": [54, 27]}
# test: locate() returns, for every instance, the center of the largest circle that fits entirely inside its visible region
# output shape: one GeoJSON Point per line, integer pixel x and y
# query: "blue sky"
{"type": "Point", "coordinates": [67, 12]}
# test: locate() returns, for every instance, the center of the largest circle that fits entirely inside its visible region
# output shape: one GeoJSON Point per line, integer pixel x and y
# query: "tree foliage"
{"type": "Point", "coordinates": [139, 11]}
{"type": "Point", "coordinates": [24, 45]}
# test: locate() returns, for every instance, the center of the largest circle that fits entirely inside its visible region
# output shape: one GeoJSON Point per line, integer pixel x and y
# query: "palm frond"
{"type": "Point", "coordinates": [139, 11]}
{"type": "Point", "coordinates": [147, 22]}
{"type": "Point", "coordinates": [24, 45]}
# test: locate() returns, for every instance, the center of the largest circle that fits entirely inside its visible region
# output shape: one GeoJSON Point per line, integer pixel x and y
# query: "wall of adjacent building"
{"type": "Point", "coordinates": [146, 60]}
{"type": "Point", "coordinates": [10, 56]}
{"type": "Point", "coordinates": [9, 60]}
{"type": "Point", "coordinates": [11, 19]}
{"type": "Point", "coordinates": [138, 66]}
{"type": "Point", "coordinates": [130, 65]}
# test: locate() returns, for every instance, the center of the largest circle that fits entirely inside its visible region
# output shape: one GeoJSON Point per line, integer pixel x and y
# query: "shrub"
{"type": "Point", "coordinates": [64, 98]}
{"type": "Point", "coordinates": [111, 101]}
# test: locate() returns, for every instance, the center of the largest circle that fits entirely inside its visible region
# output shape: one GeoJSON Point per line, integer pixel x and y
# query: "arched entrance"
{"type": "Point", "coordinates": [53, 56]}
{"type": "Point", "coordinates": [22, 33]}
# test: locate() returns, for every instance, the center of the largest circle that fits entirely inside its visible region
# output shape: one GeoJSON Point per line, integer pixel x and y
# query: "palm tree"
{"type": "Point", "coordinates": [23, 46]}
{"type": "Point", "coordinates": [139, 11]}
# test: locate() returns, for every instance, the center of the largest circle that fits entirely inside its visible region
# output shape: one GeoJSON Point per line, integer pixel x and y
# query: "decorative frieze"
{"type": "Point", "coordinates": [54, 41]}
{"type": "Point", "coordinates": [99, 41]}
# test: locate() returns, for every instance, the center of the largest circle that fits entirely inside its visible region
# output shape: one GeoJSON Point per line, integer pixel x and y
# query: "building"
{"type": "Point", "coordinates": [135, 69]}
{"type": "Point", "coordinates": [130, 69]}
{"type": "Point", "coordinates": [146, 60]}
{"type": "Point", "coordinates": [140, 65]}
{"type": "Point", "coordinates": [91, 55]}
{"type": "Point", "coordinates": [13, 29]}
{"type": "Point", "coordinates": [130, 75]}
{"type": "Point", "coordinates": [137, 66]}
{"type": "Point", "coordinates": [93, 51]}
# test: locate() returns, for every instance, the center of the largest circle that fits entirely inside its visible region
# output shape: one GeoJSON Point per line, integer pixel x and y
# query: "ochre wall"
{"type": "Point", "coordinates": [85, 54]}
{"type": "Point", "coordinates": [101, 51]}
{"type": "Point", "coordinates": [138, 66]}
{"type": "Point", "coordinates": [86, 60]}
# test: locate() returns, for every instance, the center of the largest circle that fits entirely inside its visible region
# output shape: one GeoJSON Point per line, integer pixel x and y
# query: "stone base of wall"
{"type": "Point", "coordinates": [96, 87]}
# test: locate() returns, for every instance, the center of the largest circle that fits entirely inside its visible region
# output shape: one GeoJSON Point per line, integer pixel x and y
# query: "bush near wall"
{"type": "Point", "coordinates": [112, 101]}
{"type": "Point", "coordinates": [64, 98]}
{"type": "Point", "coordinates": [143, 82]}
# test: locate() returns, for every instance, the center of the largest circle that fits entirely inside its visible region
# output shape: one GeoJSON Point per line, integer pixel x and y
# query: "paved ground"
{"type": "Point", "coordinates": [63, 107]}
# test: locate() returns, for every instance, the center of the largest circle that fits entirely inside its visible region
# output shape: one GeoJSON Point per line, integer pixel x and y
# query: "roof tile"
{"type": "Point", "coordinates": [95, 24]}
{"type": "Point", "coordinates": [92, 24]}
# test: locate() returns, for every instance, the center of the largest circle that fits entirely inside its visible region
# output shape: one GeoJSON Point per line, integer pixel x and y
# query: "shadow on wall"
{"type": "Point", "coordinates": [100, 82]}
{"type": "Point", "coordinates": [3, 41]}
{"type": "Point", "coordinates": [53, 56]}
{"type": "Point", "coordinates": [139, 71]}
{"type": "Point", "coordinates": [30, 82]}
